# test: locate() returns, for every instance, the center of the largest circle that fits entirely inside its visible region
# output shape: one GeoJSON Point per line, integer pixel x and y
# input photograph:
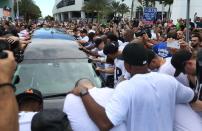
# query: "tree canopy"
{"type": "Point", "coordinates": [103, 7]}
{"type": "Point", "coordinates": [28, 9]}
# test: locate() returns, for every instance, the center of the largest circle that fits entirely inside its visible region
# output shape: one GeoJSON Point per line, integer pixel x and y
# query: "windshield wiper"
{"type": "Point", "coordinates": [55, 95]}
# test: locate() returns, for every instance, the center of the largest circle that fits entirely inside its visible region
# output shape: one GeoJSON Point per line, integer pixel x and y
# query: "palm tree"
{"type": "Point", "coordinates": [115, 7]}
{"type": "Point", "coordinates": [147, 3]}
{"type": "Point", "coordinates": [96, 6]}
{"type": "Point", "coordinates": [139, 9]}
{"type": "Point", "coordinates": [89, 8]}
{"type": "Point", "coordinates": [169, 3]}
{"type": "Point", "coordinates": [123, 8]}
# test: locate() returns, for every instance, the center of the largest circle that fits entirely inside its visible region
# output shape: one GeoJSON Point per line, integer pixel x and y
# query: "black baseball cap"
{"type": "Point", "coordinates": [135, 54]}
{"type": "Point", "coordinates": [50, 120]}
{"type": "Point", "coordinates": [111, 48]}
{"type": "Point", "coordinates": [140, 33]}
{"type": "Point", "coordinates": [178, 61]}
{"type": "Point", "coordinates": [31, 94]}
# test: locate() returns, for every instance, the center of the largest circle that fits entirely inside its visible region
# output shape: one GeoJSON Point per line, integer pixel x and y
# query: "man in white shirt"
{"type": "Point", "coordinates": [77, 113]}
{"type": "Point", "coordinates": [30, 102]}
{"type": "Point", "coordinates": [84, 37]}
{"type": "Point", "coordinates": [112, 51]}
{"type": "Point", "coordinates": [161, 65]}
{"type": "Point", "coordinates": [146, 102]}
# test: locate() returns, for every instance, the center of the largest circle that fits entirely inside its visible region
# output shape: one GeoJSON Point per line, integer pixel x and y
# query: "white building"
{"type": "Point", "coordinates": [66, 9]}
{"type": "Point", "coordinates": [180, 6]}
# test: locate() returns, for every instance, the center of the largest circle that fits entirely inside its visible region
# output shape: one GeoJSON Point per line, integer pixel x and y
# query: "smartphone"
{"type": "Point", "coordinates": [174, 44]}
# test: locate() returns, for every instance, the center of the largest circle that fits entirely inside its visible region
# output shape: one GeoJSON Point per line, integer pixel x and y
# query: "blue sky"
{"type": "Point", "coordinates": [46, 6]}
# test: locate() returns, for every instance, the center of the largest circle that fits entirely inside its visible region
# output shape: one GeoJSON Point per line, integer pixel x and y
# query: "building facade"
{"type": "Point", "coordinates": [179, 9]}
{"type": "Point", "coordinates": [68, 9]}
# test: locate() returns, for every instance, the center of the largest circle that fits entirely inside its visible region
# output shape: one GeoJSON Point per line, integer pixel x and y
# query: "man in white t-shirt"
{"type": "Point", "coordinates": [185, 118]}
{"type": "Point", "coordinates": [77, 113]}
{"type": "Point", "coordinates": [84, 37]}
{"type": "Point", "coordinates": [161, 65]}
{"type": "Point", "coordinates": [146, 102]}
{"type": "Point", "coordinates": [112, 50]}
{"type": "Point", "coordinates": [30, 102]}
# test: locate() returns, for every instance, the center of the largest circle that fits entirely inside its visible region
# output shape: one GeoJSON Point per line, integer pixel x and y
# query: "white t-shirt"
{"type": "Point", "coordinates": [25, 119]}
{"type": "Point", "coordinates": [186, 119]}
{"type": "Point", "coordinates": [122, 45]}
{"type": "Point", "coordinates": [101, 53]}
{"type": "Point", "coordinates": [77, 114]}
{"type": "Point", "coordinates": [167, 68]}
{"type": "Point", "coordinates": [147, 102]}
{"type": "Point", "coordinates": [120, 71]}
{"type": "Point", "coordinates": [85, 38]}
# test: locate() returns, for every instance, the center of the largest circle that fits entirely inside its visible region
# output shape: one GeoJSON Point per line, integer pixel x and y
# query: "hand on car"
{"type": "Point", "coordinates": [7, 68]}
{"type": "Point", "coordinates": [82, 85]}
{"type": "Point", "coordinates": [76, 91]}
{"type": "Point", "coordinates": [12, 39]}
{"type": "Point", "coordinates": [98, 69]}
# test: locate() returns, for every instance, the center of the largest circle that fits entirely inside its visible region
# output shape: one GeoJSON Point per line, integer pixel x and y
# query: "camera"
{"type": "Point", "coordinates": [14, 47]}
{"type": "Point", "coordinates": [199, 75]}
{"type": "Point", "coordinates": [3, 46]}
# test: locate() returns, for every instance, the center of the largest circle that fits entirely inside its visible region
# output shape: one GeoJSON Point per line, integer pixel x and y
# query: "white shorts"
{"type": "Point", "coordinates": [186, 119]}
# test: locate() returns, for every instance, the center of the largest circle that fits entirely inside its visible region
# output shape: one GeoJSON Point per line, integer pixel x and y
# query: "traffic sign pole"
{"type": "Point", "coordinates": [187, 21]}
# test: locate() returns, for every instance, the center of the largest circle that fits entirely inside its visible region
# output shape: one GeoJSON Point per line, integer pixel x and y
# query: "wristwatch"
{"type": "Point", "coordinates": [83, 92]}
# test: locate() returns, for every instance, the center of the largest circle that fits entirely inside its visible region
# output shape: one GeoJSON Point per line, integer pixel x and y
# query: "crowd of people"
{"type": "Point", "coordinates": [150, 74]}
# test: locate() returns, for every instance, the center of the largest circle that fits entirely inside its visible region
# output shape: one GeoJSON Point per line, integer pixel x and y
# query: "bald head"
{"type": "Point", "coordinates": [84, 82]}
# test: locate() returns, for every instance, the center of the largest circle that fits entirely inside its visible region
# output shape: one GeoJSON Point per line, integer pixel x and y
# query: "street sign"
{"type": "Point", "coordinates": [150, 14]}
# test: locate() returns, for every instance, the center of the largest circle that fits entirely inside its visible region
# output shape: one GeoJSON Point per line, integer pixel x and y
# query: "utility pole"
{"type": "Point", "coordinates": [18, 13]}
{"type": "Point", "coordinates": [187, 21]}
{"type": "Point", "coordinates": [132, 9]}
{"type": "Point", "coordinates": [162, 12]}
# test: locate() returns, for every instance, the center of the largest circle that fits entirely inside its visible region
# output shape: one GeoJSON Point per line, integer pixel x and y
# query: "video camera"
{"type": "Point", "coordinates": [199, 75]}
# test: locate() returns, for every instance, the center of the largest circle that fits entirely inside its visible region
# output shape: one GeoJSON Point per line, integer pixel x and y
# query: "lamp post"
{"type": "Point", "coordinates": [132, 9]}
{"type": "Point", "coordinates": [162, 12]}
{"type": "Point", "coordinates": [18, 13]}
{"type": "Point", "coordinates": [187, 21]}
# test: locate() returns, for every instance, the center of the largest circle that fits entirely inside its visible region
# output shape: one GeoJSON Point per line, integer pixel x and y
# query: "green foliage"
{"type": "Point", "coordinates": [100, 7]}
{"type": "Point", "coordinates": [49, 18]}
{"type": "Point", "coordinates": [123, 8]}
{"type": "Point", "coordinates": [166, 2]}
{"type": "Point", "coordinates": [115, 7]}
{"type": "Point", "coordinates": [103, 8]}
{"type": "Point", "coordinates": [169, 2]}
{"type": "Point", "coordinates": [28, 9]}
